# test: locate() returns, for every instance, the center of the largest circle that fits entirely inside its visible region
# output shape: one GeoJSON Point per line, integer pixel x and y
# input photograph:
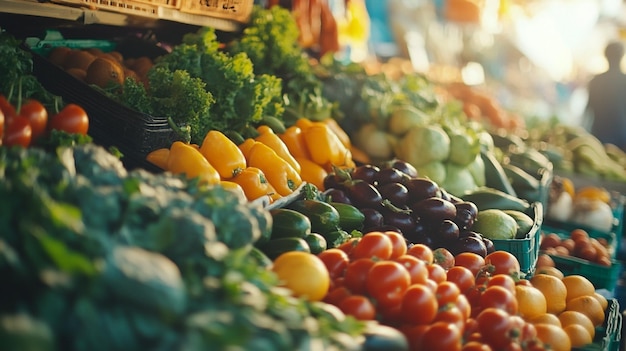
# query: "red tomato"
{"type": "Point", "coordinates": [462, 303]}
{"type": "Point", "coordinates": [443, 257]}
{"type": "Point", "coordinates": [447, 292]}
{"type": "Point", "coordinates": [494, 325]}
{"type": "Point", "coordinates": [476, 346]}
{"type": "Point", "coordinates": [470, 260]}
{"type": "Point", "coordinates": [1, 126]}
{"type": "Point", "coordinates": [436, 273]}
{"type": "Point", "coordinates": [390, 315]}
{"type": "Point", "coordinates": [72, 119]}
{"type": "Point", "coordinates": [421, 251]}
{"type": "Point", "coordinates": [335, 261]}
{"type": "Point", "coordinates": [503, 262]}
{"type": "Point", "coordinates": [335, 295]}
{"type": "Point", "coordinates": [398, 244]}
{"type": "Point", "coordinates": [373, 245]}
{"type": "Point", "coordinates": [17, 132]}
{"type": "Point", "coordinates": [526, 332]}
{"type": "Point", "coordinates": [416, 268]}
{"type": "Point", "coordinates": [419, 305]}
{"type": "Point", "coordinates": [349, 245]}
{"type": "Point", "coordinates": [414, 334]}
{"type": "Point", "coordinates": [441, 336]}
{"type": "Point", "coordinates": [37, 115]}
{"type": "Point", "coordinates": [387, 281]}
{"type": "Point", "coordinates": [358, 306]}
{"type": "Point", "coordinates": [356, 275]}
{"type": "Point", "coordinates": [503, 280]}
{"type": "Point", "coordinates": [7, 109]}
{"type": "Point", "coordinates": [499, 297]}
{"type": "Point", "coordinates": [449, 313]}
{"type": "Point", "coordinates": [461, 276]}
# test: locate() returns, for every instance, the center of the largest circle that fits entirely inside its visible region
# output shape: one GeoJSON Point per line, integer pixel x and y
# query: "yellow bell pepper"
{"type": "Point", "coordinates": [185, 159]}
{"type": "Point", "coordinates": [325, 146]}
{"type": "Point", "coordinates": [246, 146]}
{"type": "Point", "coordinates": [336, 128]}
{"type": "Point", "coordinates": [254, 184]}
{"type": "Point", "coordinates": [284, 178]}
{"type": "Point", "coordinates": [271, 139]}
{"type": "Point", "coordinates": [294, 140]}
{"type": "Point", "coordinates": [223, 154]}
{"type": "Point", "coordinates": [312, 172]}
{"type": "Point", "coordinates": [159, 157]}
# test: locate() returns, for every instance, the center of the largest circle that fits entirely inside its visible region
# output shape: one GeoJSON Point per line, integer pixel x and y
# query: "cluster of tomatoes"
{"type": "Point", "coordinates": [22, 124]}
{"type": "Point", "coordinates": [438, 300]}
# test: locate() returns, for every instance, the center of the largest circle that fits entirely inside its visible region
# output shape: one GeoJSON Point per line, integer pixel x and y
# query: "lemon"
{"type": "Point", "coordinates": [495, 224]}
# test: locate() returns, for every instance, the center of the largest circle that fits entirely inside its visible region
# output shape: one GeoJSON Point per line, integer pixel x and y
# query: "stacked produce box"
{"type": "Point", "coordinates": [237, 194]}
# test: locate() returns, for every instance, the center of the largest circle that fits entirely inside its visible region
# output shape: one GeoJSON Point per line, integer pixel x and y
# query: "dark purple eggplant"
{"type": "Point", "coordinates": [333, 180]}
{"type": "Point", "coordinates": [390, 175]}
{"type": "Point", "coordinates": [402, 166]}
{"type": "Point", "coordinates": [445, 195]}
{"type": "Point", "coordinates": [373, 217]}
{"type": "Point", "coordinates": [489, 245]}
{"type": "Point", "coordinates": [366, 173]}
{"type": "Point", "coordinates": [363, 194]}
{"type": "Point", "coordinates": [469, 244]}
{"type": "Point", "coordinates": [446, 233]}
{"type": "Point", "coordinates": [337, 195]}
{"type": "Point", "coordinates": [433, 210]}
{"type": "Point", "coordinates": [422, 188]}
{"type": "Point", "coordinates": [402, 220]}
{"type": "Point", "coordinates": [397, 193]}
{"type": "Point", "coordinates": [419, 235]}
{"type": "Point", "coordinates": [466, 213]}
{"type": "Point", "coordinates": [382, 228]}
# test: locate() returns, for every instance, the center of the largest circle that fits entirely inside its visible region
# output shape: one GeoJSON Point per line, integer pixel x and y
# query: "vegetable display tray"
{"type": "Point", "coordinates": [602, 277]}
{"type": "Point", "coordinates": [527, 249]}
{"type": "Point", "coordinates": [134, 133]}
{"type": "Point", "coordinates": [609, 335]}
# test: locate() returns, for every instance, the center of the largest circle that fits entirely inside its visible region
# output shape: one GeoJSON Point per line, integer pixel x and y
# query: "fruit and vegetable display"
{"type": "Point", "coordinates": [303, 204]}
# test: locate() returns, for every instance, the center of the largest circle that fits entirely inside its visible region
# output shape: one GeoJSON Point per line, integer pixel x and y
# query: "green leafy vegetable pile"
{"type": "Point", "coordinates": [95, 257]}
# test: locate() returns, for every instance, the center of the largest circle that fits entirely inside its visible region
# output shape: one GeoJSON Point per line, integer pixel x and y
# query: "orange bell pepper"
{"type": "Point", "coordinates": [336, 128]}
{"type": "Point", "coordinates": [246, 146]}
{"type": "Point", "coordinates": [185, 159]}
{"type": "Point", "coordinates": [312, 173]}
{"type": "Point", "coordinates": [234, 187]}
{"type": "Point", "coordinates": [325, 146]}
{"type": "Point", "coordinates": [269, 138]}
{"type": "Point", "coordinates": [294, 140]}
{"type": "Point", "coordinates": [284, 178]}
{"type": "Point", "coordinates": [159, 157]}
{"type": "Point", "coordinates": [254, 184]}
{"type": "Point", "coordinates": [223, 154]}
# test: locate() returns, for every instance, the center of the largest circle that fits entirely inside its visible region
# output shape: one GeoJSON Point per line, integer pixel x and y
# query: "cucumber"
{"type": "Point", "coordinates": [261, 258]}
{"type": "Point", "coordinates": [350, 217]}
{"type": "Point", "coordinates": [336, 238]}
{"type": "Point", "coordinates": [323, 216]}
{"type": "Point", "coordinates": [486, 198]}
{"type": "Point", "coordinates": [288, 223]}
{"type": "Point", "coordinates": [317, 243]}
{"type": "Point", "coordinates": [277, 247]}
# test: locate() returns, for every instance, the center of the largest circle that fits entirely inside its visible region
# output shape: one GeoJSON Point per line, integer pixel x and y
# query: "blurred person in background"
{"type": "Point", "coordinates": [607, 100]}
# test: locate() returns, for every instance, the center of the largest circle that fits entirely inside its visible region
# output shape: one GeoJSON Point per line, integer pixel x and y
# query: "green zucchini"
{"type": "Point", "coordinates": [323, 216]}
{"type": "Point", "coordinates": [260, 257]}
{"type": "Point", "coordinates": [288, 223]}
{"type": "Point", "coordinates": [336, 238]}
{"type": "Point", "coordinates": [317, 243]}
{"type": "Point", "coordinates": [486, 198]}
{"type": "Point", "coordinates": [277, 247]}
{"type": "Point", "coordinates": [350, 217]}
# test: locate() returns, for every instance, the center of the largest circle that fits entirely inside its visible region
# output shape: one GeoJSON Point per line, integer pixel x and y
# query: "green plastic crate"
{"type": "Point", "coordinates": [609, 334]}
{"type": "Point", "coordinates": [527, 249]}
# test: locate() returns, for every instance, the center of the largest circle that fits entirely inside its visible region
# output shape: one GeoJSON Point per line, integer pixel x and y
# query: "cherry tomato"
{"type": "Point", "coordinates": [37, 115]}
{"type": "Point", "coordinates": [387, 281]}
{"type": "Point", "coordinates": [503, 262]}
{"type": "Point", "coordinates": [499, 297]}
{"type": "Point", "coordinates": [461, 276]}
{"type": "Point", "coordinates": [374, 244]}
{"type": "Point", "coordinates": [463, 304]}
{"type": "Point", "coordinates": [349, 245]}
{"type": "Point", "coordinates": [18, 132]}
{"type": "Point", "coordinates": [72, 119]}
{"type": "Point", "coordinates": [476, 346]}
{"type": "Point", "coordinates": [447, 292]}
{"type": "Point", "coordinates": [494, 325]}
{"type": "Point", "coordinates": [358, 306]}
{"type": "Point", "coordinates": [503, 280]}
{"type": "Point", "coordinates": [337, 294]}
{"type": "Point", "coordinates": [416, 268]}
{"type": "Point", "coordinates": [441, 336]}
{"type": "Point", "coordinates": [421, 251]}
{"type": "Point", "coordinates": [470, 260]}
{"type": "Point", "coordinates": [419, 305]}
{"type": "Point", "coordinates": [398, 244]}
{"type": "Point", "coordinates": [7, 109]}
{"type": "Point", "coordinates": [335, 261]}
{"type": "Point", "coordinates": [356, 275]}
{"type": "Point", "coordinates": [443, 257]}
{"type": "Point", "coordinates": [414, 334]}
{"type": "Point", "coordinates": [436, 273]}
{"type": "Point", "coordinates": [451, 314]}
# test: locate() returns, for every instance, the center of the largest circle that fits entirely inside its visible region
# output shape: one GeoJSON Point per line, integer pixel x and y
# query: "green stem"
{"type": "Point", "coordinates": [183, 132]}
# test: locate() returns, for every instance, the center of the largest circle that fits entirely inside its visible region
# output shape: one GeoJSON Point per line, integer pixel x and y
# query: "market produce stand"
{"type": "Point", "coordinates": [232, 189]}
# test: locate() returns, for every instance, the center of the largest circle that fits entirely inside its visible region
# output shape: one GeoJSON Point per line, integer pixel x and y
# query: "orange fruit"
{"type": "Point", "coordinates": [602, 300]}
{"type": "Point", "coordinates": [303, 273]}
{"type": "Point", "coordinates": [588, 305]}
{"type": "Point", "coordinates": [103, 71]}
{"type": "Point", "coordinates": [553, 271]}
{"type": "Point", "coordinates": [546, 318]}
{"type": "Point", "coordinates": [553, 289]}
{"type": "Point", "coordinates": [578, 285]}
{"type": "Point", "coordinates": [578, 318]}
{"type": "Point", "coordinates": [578, 335]}
{"type": "Point", "coordinates": [553, 336]}
{"type": "Point", "coordinates": [78, 59]}
{"type": "Point", "coordinates": [531, 301]}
